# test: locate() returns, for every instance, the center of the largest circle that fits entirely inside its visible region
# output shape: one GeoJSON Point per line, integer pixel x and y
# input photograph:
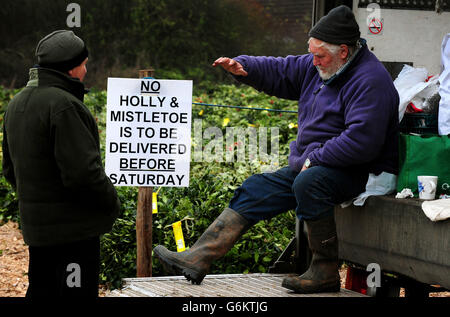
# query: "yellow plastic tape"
{"type": "Point", "coordinates": [154, 203]}
{"type": "Point", "coordinates": [179, 239]}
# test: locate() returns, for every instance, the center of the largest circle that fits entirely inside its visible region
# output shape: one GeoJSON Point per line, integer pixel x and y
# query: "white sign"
{"type": "Point", "coordinates": [148, 132]}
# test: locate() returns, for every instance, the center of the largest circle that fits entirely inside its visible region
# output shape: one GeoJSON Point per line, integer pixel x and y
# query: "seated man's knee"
{"type": "Point", "coordinates": [304, 183]}
{"type": "Point", "coordinates": [252, 180]}
{"type": "Point", "coordinates": [311, 193]}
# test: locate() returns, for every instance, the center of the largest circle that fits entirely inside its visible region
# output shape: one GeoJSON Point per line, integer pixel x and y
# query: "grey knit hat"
{"type": "Point", "coordinates": [61, 50]}
{"type": "Point", "coordinates": [339, 26]}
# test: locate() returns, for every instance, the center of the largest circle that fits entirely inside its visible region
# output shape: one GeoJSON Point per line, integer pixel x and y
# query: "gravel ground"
{"type": "Point", "coordinates": [13, 262]}
{"type": "Point", "coordinates": [14, 265]}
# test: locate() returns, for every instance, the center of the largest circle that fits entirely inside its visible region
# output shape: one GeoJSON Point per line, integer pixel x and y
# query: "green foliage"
{"type": "Point", "coordinates": [247, 97]}
{"type": "Point", "coordinates": [212, 185]}
{"type": "Point", "coordinates": [9, 207]}
{"type": "Point", "coordinates": [118, 247]}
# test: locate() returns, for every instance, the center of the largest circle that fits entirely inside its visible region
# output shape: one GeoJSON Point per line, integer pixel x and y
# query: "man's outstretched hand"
{"type": "Point", "coordinates": [230, 65]}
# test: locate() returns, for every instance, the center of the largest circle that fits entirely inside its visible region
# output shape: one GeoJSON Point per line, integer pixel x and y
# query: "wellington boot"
{"type": "Point", "coordinates": [323, 272]}
{"type": "Point", "coordinates": [214, 243]}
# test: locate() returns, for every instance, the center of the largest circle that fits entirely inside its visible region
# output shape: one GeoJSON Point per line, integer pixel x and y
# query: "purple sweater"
{"type": "Point", "coordinates": [350, 123]}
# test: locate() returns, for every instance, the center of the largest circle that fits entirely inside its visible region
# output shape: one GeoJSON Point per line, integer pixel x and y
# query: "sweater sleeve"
{"type": "Point", "coordinates": [277, 76]}
{"type": "Point", "coordinates": [78, 158]}
{"type": "Point", "coordinates": [368, 112]}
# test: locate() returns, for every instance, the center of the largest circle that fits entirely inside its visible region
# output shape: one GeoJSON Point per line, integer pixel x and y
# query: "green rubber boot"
{"type": "Point", "coordinates": [323, 272]}
{"type": "Point", "coordinates": [213, 244]}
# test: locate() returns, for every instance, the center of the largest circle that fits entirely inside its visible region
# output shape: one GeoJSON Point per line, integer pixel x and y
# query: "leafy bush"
{"type": "Point", "coordinates": [211, 187]}
{"type": "Point", "coordinates": [9, 206]}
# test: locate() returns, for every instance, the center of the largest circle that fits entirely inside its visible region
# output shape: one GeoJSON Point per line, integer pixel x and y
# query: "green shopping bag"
{"type": "Point", "coordinates": [424, 155]}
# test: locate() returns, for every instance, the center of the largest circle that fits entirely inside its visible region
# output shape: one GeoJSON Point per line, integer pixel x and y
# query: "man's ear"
{"type": "Point", "coordinates": [344, 53]}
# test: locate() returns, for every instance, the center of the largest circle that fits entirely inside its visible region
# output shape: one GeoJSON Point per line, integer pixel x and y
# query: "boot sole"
{"type": "Point", "coordinates": [193, 276]}
{"type": "Point", "coordinates": [176, 269]}
{"type": "Point", "coordinates": [320, 289]}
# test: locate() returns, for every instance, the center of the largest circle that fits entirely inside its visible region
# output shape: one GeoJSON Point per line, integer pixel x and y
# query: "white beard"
{"type": "Point", "coordinates": [327, 73]}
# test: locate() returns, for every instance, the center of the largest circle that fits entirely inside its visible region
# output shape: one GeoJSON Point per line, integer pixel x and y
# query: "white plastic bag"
{"type": "Point", "coordinates": [382, 184]}
{"type": "Point", "coordinates": [436, 210]}
{"type": "Point", "coordinates": [422, 99]}
{"type": "Point", "coordinates": [444, 88]}
{"type": "Point", "coordinates": [409, 83]}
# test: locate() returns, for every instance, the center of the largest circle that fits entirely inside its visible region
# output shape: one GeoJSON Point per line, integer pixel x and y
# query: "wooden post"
{"type": "Point", "coordinates": [146, 72]}
{"type": "Point", "coordinates": [144, 220]}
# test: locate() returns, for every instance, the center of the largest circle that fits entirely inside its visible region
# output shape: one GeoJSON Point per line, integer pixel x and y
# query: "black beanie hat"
{"type": "Point", "coordinates": [61, 50]}
{"type": "Point", "coordinates": [337, 27]}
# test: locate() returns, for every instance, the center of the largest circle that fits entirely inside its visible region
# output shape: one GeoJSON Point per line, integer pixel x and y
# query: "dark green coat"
{"type": "Point", "coordinates": [51, 155]}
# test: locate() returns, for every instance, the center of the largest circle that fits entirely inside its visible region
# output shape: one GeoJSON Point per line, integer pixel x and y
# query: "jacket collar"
{"type": "Point", "coordinates": [46, 77]}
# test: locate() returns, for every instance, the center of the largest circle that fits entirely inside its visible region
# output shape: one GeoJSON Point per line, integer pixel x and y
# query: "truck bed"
{"type": "Point", "coordinates": [396, 234]}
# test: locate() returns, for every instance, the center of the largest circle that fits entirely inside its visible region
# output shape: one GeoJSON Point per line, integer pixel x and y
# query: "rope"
{"type": "Point", "coordinates": [240, 107]}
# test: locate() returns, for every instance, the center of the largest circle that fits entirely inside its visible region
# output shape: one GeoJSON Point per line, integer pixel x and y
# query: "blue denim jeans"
{"type": "Point", "coordinates": [312, 193]}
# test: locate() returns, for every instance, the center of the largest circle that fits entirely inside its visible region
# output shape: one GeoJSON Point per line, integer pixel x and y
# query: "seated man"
{"type": "Point", "coordinates": [347, 128]}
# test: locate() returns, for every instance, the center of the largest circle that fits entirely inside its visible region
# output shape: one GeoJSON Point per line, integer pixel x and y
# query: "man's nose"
{"type": "Point", "coordinates": [316, 61]}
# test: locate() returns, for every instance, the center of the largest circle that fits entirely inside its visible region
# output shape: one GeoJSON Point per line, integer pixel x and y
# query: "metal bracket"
{"type": "Point", "coordinates": [297, 256]}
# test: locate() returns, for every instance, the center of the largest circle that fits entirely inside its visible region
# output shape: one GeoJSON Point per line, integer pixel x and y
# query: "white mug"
{"type": "Point", "coordinates": [427, 187]}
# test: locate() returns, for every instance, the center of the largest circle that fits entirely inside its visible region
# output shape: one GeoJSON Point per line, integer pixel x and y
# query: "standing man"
{"type": "Point", "coordinates": [347, 128]}
{"type": "Point", "coordinates": [51, 156]}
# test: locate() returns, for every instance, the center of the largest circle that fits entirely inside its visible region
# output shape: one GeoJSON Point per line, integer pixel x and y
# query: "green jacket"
{"type": "Point", "coordinates": [51, 155]}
